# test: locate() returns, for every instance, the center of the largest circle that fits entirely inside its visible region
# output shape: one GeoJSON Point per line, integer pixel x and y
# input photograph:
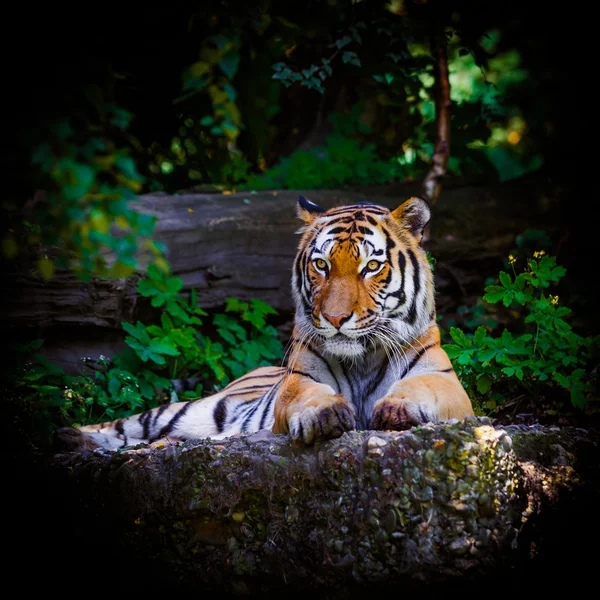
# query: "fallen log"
{"type": "Point", "coordinates": [436, 504]}
{"type": "Point", "coordinates": [238, 245]}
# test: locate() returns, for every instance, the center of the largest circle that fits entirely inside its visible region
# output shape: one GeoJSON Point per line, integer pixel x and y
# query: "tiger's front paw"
{"type": "Point", "coordinates": [399, 414]}
{"type": "Point", "coordinates": [321, 418]}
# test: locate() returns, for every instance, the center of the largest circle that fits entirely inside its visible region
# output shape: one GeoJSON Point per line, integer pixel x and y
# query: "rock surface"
{"type": "Point", "coordinates": [256, 513]}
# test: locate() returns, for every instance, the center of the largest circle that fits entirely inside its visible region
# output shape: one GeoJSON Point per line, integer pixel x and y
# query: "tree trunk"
{"type": "Point", "coordinates": [256, 514]}
{"type": "Point", "coordinates": [432, 183]}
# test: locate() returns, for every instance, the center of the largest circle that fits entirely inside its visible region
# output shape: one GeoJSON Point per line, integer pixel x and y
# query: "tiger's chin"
{"type": "Point", "coordinates": [343, 347]}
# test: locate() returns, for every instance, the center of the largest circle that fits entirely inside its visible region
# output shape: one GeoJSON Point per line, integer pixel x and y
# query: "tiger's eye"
{"type": "Point", "coordinates": [321, 264]}
{"type": "Point", "coordinates": [373, 265]}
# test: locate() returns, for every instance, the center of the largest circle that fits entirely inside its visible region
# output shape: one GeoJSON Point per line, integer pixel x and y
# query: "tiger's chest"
{"type": "Point", "coordinates": [363, 384]}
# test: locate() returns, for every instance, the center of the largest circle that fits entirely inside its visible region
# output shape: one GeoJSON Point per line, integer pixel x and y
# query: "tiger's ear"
{"type": "Point", "coordinates": [308, 211]}
{"type": "Point", "coordinates": [413, 215]}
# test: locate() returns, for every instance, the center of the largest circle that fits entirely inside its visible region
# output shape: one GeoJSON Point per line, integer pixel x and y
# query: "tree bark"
{"type": "Point", "coordinates": [257, 513]}
{"type": "Point", "coordinates": [432, 184]}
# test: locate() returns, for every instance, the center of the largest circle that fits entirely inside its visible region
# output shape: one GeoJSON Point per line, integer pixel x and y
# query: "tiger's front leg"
{"type": "Point", "coordinates": [311, 411]}
{"type": "Point", "coordinates": [421, 399]}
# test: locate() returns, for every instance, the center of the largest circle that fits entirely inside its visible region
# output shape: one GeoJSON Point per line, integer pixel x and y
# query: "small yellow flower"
{"type": "Point", "coordinates": [511, 259]}
{"type": "Point", "coordinates": [190, 210]}
{"type": "Point", "coordinates": [554, 299]}
{"type": "Point", "coordinates": [538, 253]}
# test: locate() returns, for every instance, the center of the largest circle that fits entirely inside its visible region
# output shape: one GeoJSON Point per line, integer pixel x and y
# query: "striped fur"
{"type": "Point", "coordinates": [365, 351]}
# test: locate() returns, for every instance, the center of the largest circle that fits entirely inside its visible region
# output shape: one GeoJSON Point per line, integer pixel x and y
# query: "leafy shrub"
{"type": "Point", "coordinates": [545, 354]}
{"type": "Point", "coordinates": [140, 377]}
{"type": "Point", "coordinates": [342, 161]}
{"type": "Point", "coordinates": [85, 211]}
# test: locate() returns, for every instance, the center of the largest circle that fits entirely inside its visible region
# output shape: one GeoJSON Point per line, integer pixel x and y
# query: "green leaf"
{"type": "Point", "coordinates": [507, 339]}
{"type": "Point", "coordinates": [46, 267]}
{"type": "Point", "coordinates": [163, 347]}
{"type": "Point", "coordinates": [230, 62]}
{"type": "Point", "coordinates": [138, 331]}
{"type": "Point", "coordinates": [465, 358]}
{"type": "Point", "coordinates": [484, 384]}
{"type": "Point", "coordinates": [479, 336]}
{"type": "Point", "coordinates": [494, 293]}
{"type": "Point", "coordinates": [147, 288]}
{"type": "Point", "coordinates": [505, 279]}
{"type": "Point", "coordinates": [508, 298]}
{"type": "Point", "coordinates": [166, 322]}
{"type": "Point", "coordinates": [487, 355]}
{"type": "Point", "coordinates": [460, 338]}
{"type": "Point", "coordinates": [578, 398]}
{"type": "Point", "coordinates": [227, 336]}
{"type": "Point", "coordinates": [341, 43]}
{"type": "Point", "coordinates": [177, 311]}
{"type": "Point", "coordinates": [452, 350]}
{"type": "Point", "coordinates": [522, 297]}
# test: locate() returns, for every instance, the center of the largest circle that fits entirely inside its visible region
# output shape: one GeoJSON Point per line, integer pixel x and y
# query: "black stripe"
{"type": "Point", "coordinates": [360, 207]}
{"type": "Point", "coordinates": [311, 349]}
{"type": "Point", "coordinates": [374, 383]}
{"type": "Point", "coordinates": [411, 316]}
{"type": "Point", "coordinates": [271, 395]}
{"type": "Point", "coordinates": [246, 378]}
{"type": "Point", "coordinates": [445, 370]}
{"type": "Point", "coordinates": [417, 358]}
{"type": "Point", "coordinates": [121, 430]}
{"type": "Point", "coordinates": [399, 293]}
{"type": "Point", "coordinates": [251, 412]}
{"type": "Point", "coordinates": [220, 414]}
{"type": "Point", "coordinates": [337, 220]}
{"type": "Point", "coordinates": [174, 420]}
{"type": "Point", "coordinates": [390, 244]}
{"type": "Point", "coordinates": [298, 272]}
{"type": "Point", "coordinates": [295, 372]}
{"type": "Point", "coordinates": [248, 389]}
{"type": "Point", "coordinates": [145, 419]}
{"type": "Point", "coordinates": [159, 412]}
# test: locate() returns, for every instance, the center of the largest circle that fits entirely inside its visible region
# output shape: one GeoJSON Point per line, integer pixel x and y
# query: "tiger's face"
{"type": "Point", "coordinates": [361, 278]}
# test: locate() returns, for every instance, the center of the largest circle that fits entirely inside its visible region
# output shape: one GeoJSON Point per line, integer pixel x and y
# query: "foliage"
{"type": "Point", "coordinates": [314, 76]}
{"type": "Point", "coordinates": [140, 377]}
{"type": "Point", "coordinates": [238, 88]}
{"type": "Point", "coordinates": [85, 211]}
{"type": "Point", "coordinates": [545, 354]}
{"type": "Point", "coordinates": [341, 161]}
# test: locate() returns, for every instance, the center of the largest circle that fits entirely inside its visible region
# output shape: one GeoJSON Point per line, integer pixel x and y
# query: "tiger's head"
{"type": "Point", "coordinates": [361, 278]}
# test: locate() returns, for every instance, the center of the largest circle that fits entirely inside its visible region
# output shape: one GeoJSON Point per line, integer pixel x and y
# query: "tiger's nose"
{"type": "Point", "coordinates": [337, 320]}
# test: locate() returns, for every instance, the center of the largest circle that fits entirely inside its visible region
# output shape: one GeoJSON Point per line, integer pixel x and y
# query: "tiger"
{"type": "Point", "coordinates": [365, 351]}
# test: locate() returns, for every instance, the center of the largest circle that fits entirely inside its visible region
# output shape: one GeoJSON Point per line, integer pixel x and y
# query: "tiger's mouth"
{"type": "Point", "coordinates": [342, 345]}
